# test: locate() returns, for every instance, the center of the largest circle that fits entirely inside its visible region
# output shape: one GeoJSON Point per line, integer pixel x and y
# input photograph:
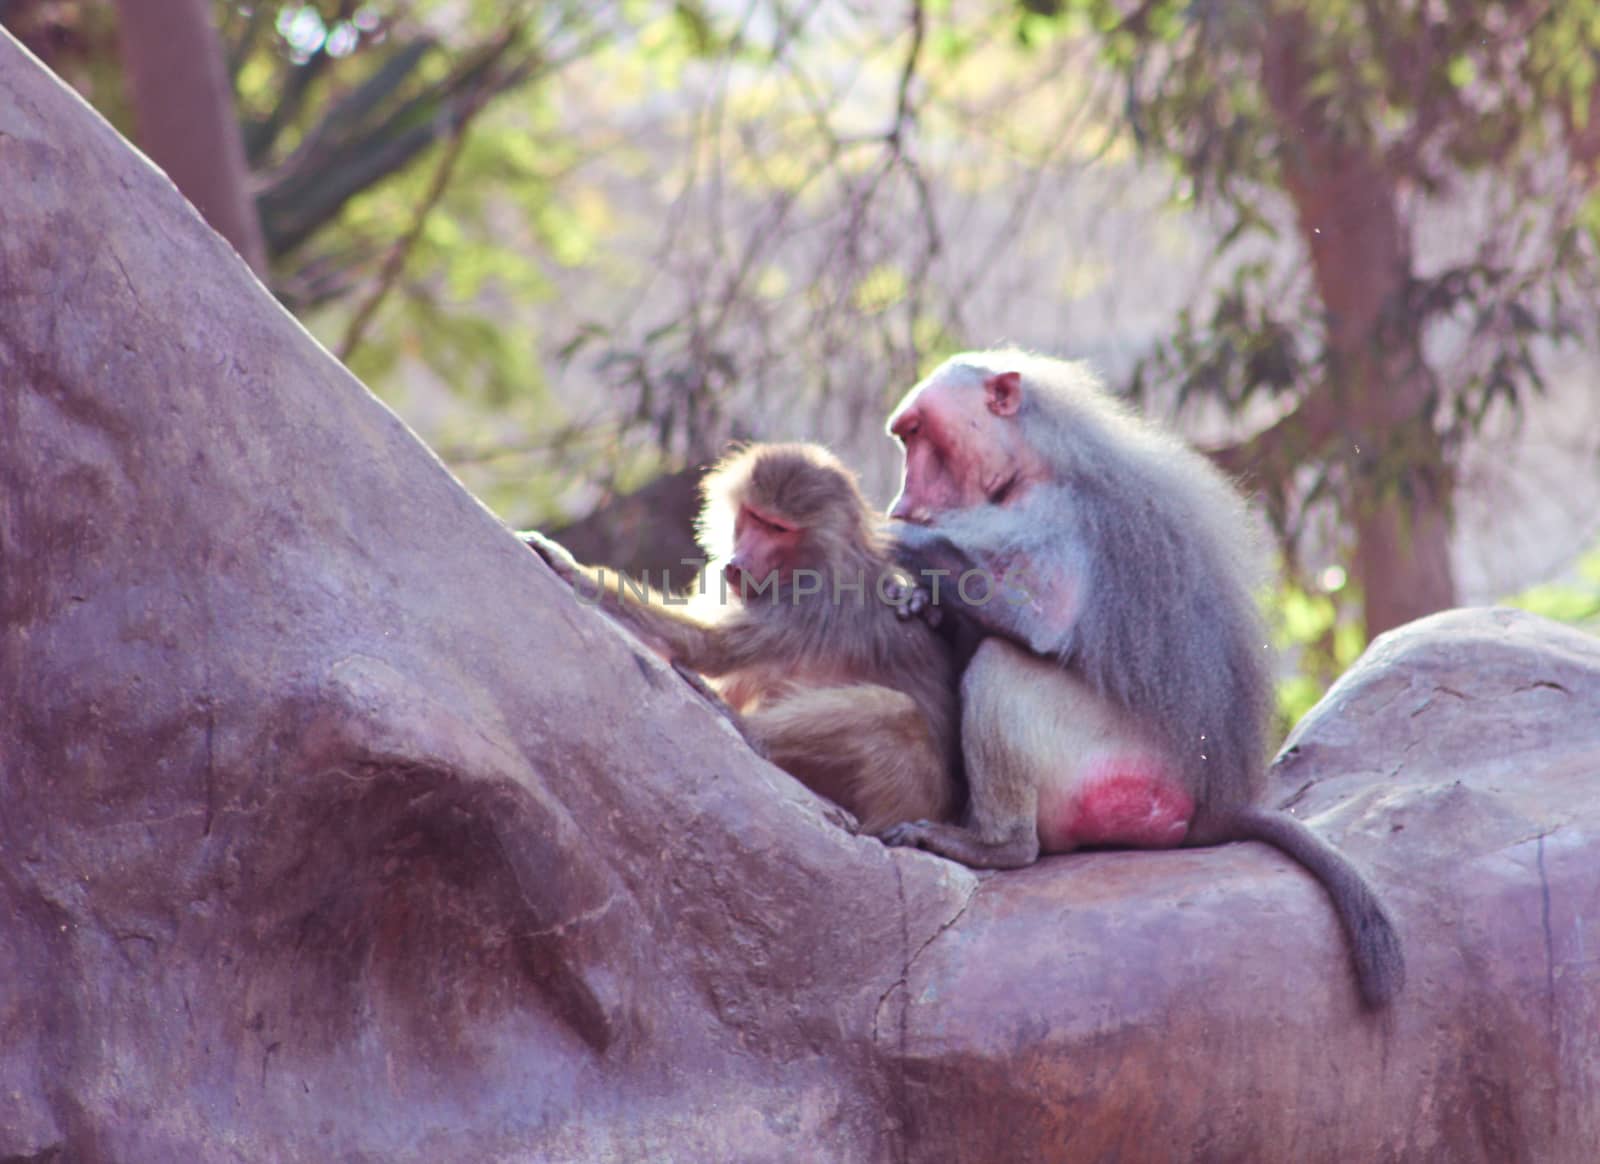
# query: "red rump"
{"type": "Point", "coordinates": [1120, 800]}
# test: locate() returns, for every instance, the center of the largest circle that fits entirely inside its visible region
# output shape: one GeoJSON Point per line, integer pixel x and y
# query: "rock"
{"type": "Point", "coordinates": [333, 828]}
{"type": "Point", "coordinates": [1195, 1005]}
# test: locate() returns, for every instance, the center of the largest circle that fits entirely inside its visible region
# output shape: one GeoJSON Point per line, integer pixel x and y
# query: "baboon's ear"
{"type": "Point", "coordinates": [1002, 392]}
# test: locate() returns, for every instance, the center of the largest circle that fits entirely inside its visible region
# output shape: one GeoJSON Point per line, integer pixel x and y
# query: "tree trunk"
{"type": "Point", "coordinates": [1348, 212]}
{"type": "Point", "coordinates": [332, 827]}
{"type": "Point", "coordinates": [183, 102]}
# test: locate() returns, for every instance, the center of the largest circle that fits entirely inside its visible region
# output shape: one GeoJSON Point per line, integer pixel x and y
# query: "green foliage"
{"type": "Point", "coordinates": [1254, 341]}
{"type": "Point", "coordinates": [880, 289]}
{"type": "Point", "coordinates": [1576, 602]}
{"type": "Point", "coordinates": [1316, 636]}
{"type": "Point", "coordinates": [407, 204]}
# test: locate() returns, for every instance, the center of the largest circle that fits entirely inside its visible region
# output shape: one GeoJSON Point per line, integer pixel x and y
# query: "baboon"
{"type": "Point", "coordinates": [1123, 696]}
{"type": "Point", "coordinates": [797, 627]}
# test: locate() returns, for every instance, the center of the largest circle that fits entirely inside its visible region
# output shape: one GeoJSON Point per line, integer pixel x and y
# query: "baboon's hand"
{"type": "Point", "coordinates": [912, 601]}
{"type": "Point", "coordinates": [839, 815]}
{"type": "Point", "coordinates": [554, 554]}
{"type": "Point", "coordinates": [907, 834]}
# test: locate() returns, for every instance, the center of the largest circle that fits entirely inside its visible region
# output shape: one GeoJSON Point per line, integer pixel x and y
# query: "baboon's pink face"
{"type": "Point", "coordinates": [763, 544]}
{"type": "Point", "coordinates": [959, 433]}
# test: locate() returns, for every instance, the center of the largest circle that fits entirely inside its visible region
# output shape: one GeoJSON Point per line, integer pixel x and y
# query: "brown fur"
{"type": "Point", "coordinates": [855, 702]}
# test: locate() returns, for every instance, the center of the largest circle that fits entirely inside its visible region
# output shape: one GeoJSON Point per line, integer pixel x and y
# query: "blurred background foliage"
{"type": "Point", "coordinates": [1349, 248]}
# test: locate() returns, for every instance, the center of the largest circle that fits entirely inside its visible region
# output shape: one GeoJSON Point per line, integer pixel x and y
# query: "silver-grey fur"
{"type": "Point", "coordinates": [1169, 563]}
{"type": "Point", "coordinates": [1144, 568]}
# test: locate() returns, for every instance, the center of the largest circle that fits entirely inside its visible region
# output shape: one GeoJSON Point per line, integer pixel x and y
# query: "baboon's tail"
{"type": "Point", "coordinates": [1374, 944]}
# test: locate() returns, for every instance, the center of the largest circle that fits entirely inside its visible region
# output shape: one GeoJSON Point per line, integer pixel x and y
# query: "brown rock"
{"type": "Point", "coordinates": [1200, 1003]}
{"type": "Point", "coordinates": [332, 828]}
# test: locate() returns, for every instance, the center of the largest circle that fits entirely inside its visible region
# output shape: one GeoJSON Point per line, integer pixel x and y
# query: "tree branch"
{"type": "Point", "coordinates": [394, 263]}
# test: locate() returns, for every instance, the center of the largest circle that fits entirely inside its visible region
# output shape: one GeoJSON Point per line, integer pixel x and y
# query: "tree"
{"type": "Point", "coordinates": [357, 122]}
{"type": "Point", "coordinates": [1344, 126]}
{"type": "Point", "coordinates": [187, 124]}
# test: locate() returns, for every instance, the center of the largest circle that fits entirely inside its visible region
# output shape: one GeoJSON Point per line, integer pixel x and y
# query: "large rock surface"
{"type": "Point", "coordinates": [331, 828]}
